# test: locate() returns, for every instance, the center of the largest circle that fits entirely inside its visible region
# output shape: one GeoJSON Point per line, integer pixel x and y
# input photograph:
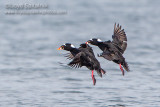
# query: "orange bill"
{"type": "Point", "coordinates": [59, 48]}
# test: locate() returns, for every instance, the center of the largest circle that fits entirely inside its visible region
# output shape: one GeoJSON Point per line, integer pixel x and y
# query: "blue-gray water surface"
{"type": "Point", "coordinates": [34, 74]}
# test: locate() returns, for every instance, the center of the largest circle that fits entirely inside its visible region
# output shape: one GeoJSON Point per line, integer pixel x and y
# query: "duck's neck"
{"type": "Point", "coordinates": [101, 46]}
{"type": "Point", "coordinates": [74, 50]}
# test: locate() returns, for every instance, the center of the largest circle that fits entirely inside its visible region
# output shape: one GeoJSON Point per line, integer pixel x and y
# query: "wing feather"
{"type": "Point", "coordinates": [119, 37]}
{"type": "Point", "coordinates": [76, 62]}
{"type": "Point", "coordinates": [69, 56]}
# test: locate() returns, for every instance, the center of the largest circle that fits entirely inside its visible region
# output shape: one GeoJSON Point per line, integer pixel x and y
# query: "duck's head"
{"type": "Point", "coordinates": [94, 41]}
{"type": "Point", "coordinates": [66, 46]}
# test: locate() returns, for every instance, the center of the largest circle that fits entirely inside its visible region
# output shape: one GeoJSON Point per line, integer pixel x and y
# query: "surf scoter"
{"type": "Point", "coordinates": [83, 56]}
{"type": "Point", "coordinates": [113, 50]}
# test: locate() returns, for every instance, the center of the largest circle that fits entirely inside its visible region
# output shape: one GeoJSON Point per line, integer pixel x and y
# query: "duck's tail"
{"type": "Point", "coordinates": [125, 66]}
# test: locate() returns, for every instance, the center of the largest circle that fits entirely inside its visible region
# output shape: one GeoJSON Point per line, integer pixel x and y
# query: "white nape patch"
{"type": "Point", "coordinates": [72, 46]}
{"type": "Point", "coordinates": [125, 41]}
{"type": "Point", "coordinates": [99, 40]}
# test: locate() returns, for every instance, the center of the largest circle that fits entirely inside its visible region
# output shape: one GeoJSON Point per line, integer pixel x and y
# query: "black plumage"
{"type": "Point", "coordinates": [113, 50]}
{"type": "Point", "coordinates": [83, 56]}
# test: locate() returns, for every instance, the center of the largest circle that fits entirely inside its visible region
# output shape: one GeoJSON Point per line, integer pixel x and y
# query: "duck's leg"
{"type": "Point", "coordinates": [93, 78]}
{"type": "Point", "coordinates": [121, 69]}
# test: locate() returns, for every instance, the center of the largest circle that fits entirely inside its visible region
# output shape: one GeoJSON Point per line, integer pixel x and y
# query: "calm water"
{"type": "Point", "coordinates": [30, 69]}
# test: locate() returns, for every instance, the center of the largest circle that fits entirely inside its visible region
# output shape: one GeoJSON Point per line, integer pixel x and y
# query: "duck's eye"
{"type": "Point", "coordinates": [62, 47]}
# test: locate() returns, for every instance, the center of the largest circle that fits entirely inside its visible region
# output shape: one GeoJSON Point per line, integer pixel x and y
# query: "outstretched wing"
{"type": "Point", "coordinates": [69, 56]}
{"type": "Point", "coordinates": [72, 54]}
{"type": "Point", "coordinates": [76, 62]}
{"type": "Point", "coordinates": [119, 38]}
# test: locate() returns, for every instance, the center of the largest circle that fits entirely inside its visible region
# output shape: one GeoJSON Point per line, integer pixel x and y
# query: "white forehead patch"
{"type": "Point", "coordinates": [64, 44]}
{"type": "Point", "coordinates": [91, 39]}
{"type": "Point", "coordinates": [72, 46]}
{"type": "Point", "coordinates": [99, 40]}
